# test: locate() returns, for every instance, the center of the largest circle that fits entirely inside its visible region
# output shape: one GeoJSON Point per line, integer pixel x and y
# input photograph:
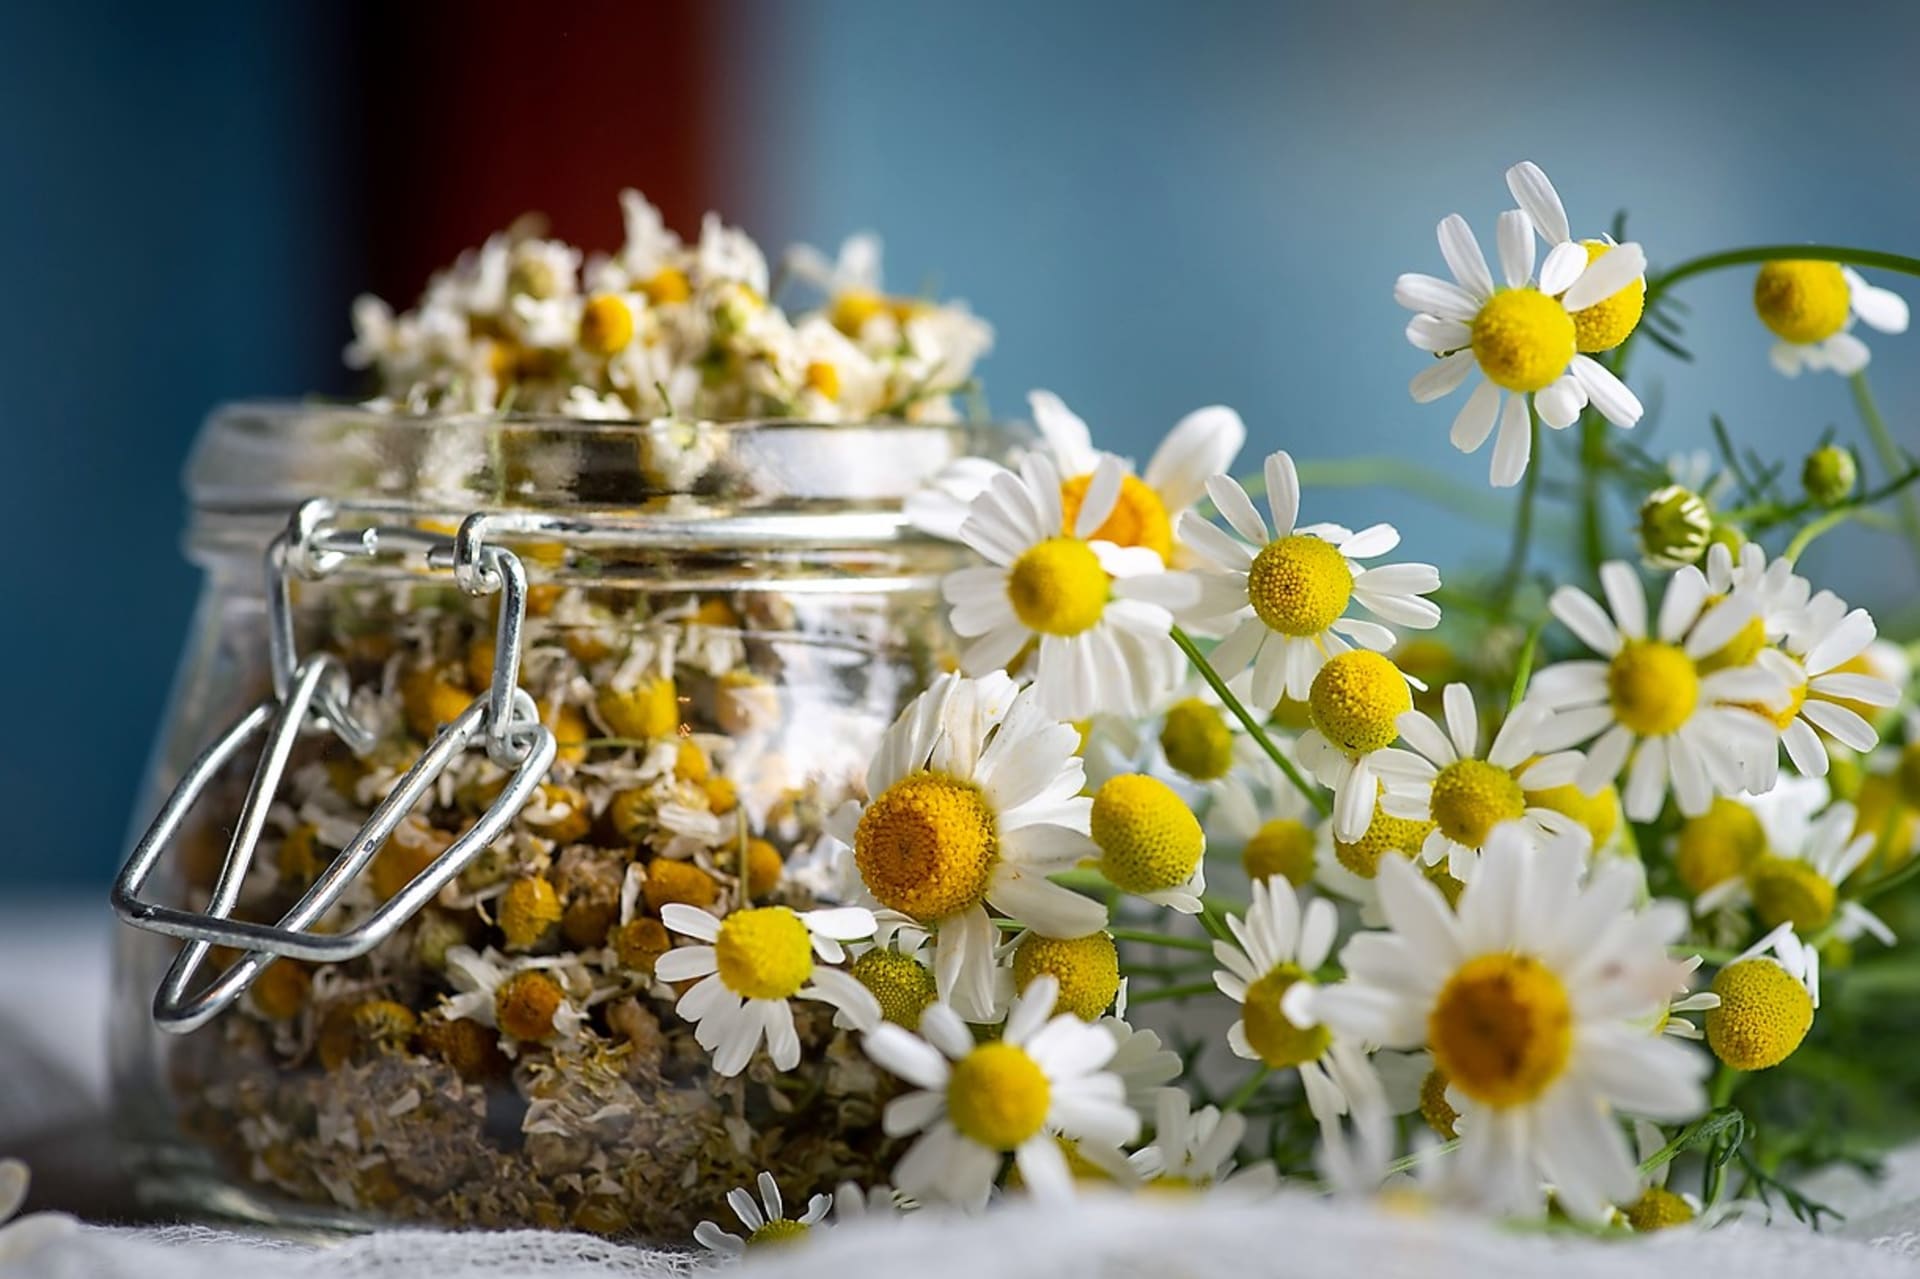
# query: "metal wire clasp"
{"type": "Point", "coordinates": [312, 695]}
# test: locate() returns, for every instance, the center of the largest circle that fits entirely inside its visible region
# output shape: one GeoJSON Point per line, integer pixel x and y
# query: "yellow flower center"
{"type": "Point", "coordinates": [1139, 517]}
{"type": "Point", "coordinates": [1435, 1108]}
{"type": "Point", "coordinates": [1606, 323]}
{"type": "Point", "coordinates": [606, 324]}
{"type": "Point", "coordinates": [1149, 839]}
{"type": "Point", "coordinates": [998, 1096]}
{"type": "Point", "coordinates": [1502, 1029]}
{"type": "Point", "coordinates": [1471, 797]}
{"type": "Point", "coordinates": [901, 985]}
{"type": "Point", "coordinates": [526, 1003]}
{"type": "Point", "coordinates": [1717, 845]}
{"type": "Point", "coordinates": [528, 911]}
{"type": "Point", "coordinates": [1281, 847]}
{"type": "Point", "coordinates": [1356, 699]}
{"type": "Point", "coordinates": [1653, 687]}
{"type": "Point", "coordinates": [1299, 585]}
{"type": "Point", "coordinates": [1522, 339]}
{"type": "Point", "coordinates": [1270, 1033]}
{"type": "Point", "coordinates": [927, 846]}
{"type": "Point", "coordinates": [1057, 587]}
{"type": "Point", "coordinates": [1087, 968]}
{"type": "Point", "coordinates": [1802, 301]}
{"type": "Point", "coordinates": [1787, 890]}
{"type": "Point", "coordinates": [779, 1230]}
{"type": "Point", "coordinates": [1738, 651]}
{"type": "Point", "coordinates": [1197, 740]}
{"type": "Point", "coordinates": [763, 953]}
{"type": "Point", "coordinates": [1599, 814]}
{"type": "Point", "coordinates": [1385, 834]}
{"type": "Point", "coordinates": [647, 711]}
{"type": "Point", "coordinates": [852, 309]}
{"type": "Point", "coordinates": [1656, 1209]}
{"type": "Point", "coordinates": [1763, 1015]}
{"type": "Point", "coordinates": [667, 286]}
{"type": "Point", "coordinates": [824, 378]}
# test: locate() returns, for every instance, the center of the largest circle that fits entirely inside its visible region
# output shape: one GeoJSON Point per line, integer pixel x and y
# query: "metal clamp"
{"type": "Point", "coordinates": [313, 695]}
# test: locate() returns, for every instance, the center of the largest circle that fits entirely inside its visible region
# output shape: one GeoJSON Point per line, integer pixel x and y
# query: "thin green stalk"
{"type": "Point", "coordinates": [1148, 937]}
{"type": "Point", "coordinates": [1891, 457]}
{"type": "Point", "coordinates": [1814, 528]}
{"type": "Point", "coordinates": [1659, 284]}
{"type": "Point", "coordinates": [1247, 721]}
{"type": "Point", "coordinates": [1523, 515]}
{"type": "Point", "coordinates": [1523, 665]}
{"type": "Point", "coordinates": [1244, 1093]}
{"type": "Point", "coordinates": [1171, 992]}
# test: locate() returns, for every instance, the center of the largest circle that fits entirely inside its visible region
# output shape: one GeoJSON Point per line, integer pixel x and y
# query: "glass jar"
{"type": "Point", "coordinates": [720, 622]}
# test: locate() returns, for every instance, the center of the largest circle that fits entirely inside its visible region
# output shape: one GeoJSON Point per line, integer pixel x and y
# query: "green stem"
{"type": "Point", "coordinates": [1891, 457]}
{"type": "Point", "coordinates": [1244, 1093]}
{"type": "Point", "coordinates": [1523, 515]}
{"type": "Point", "coordinates": [1171, 992]}
{"type": "Point", "coordinates": [1659, 284]}
{"type": "Point", "coordinates": [1219, 686]}
{"type": "Point", "coordinates": [1725, 1083]}
{"type": "Point", "coordinates": [1148, 937]}
{"type": "Point", "coordinates": [1812, 529]}
{"type": "Point", "coordinates": [1523, 666]}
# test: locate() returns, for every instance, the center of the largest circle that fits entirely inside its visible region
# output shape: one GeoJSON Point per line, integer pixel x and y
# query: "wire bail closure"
{"type": "Point", "coordinates": [312, 695]}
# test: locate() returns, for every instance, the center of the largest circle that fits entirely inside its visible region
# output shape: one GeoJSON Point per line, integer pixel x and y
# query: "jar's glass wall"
{"type": "Point", "coordinates": [509, 1058]}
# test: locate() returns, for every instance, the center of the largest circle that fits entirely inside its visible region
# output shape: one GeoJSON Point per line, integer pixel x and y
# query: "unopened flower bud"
{"type": "Point", "coordinates": [1675, 526]}
{"type": "Point", "coordinates": [1830, 475]}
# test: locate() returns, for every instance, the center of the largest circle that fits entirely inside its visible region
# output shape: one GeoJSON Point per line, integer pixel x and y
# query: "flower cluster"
{"type": "Point", "coordinates": [1196, 746]}
{"type": "Point", "coordinates": [667, 329]}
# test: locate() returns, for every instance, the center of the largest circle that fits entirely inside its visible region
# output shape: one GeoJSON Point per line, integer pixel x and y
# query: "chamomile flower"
{"type": "Point", "coordinates": [1768, 996]}
{"type": "Point", "coordinates": [1195, 1149]}
{"type": "Point", "coordinates": [975, 801]}
{"type": "Point", "coordinates": [755, 961]}
{"type": "Point", "coordinates": [1797, 881]}
{"type": "Point", "coordinates": [1149, 506]}
{"type": "Point", "coordinates": [1275, 837]}
{"type": "Point", "coordinates": [528, 999]}
{"type": "Point", "coordinates": [1780, 594]}
{"type": "Point", "coordinates": [1818, 660]}
{"type": "Point", "coordinates": [1601, 325]}
{"type": "Point", "coordinates": [1151, 845]}
{"type": "Point", "coordinates": [976, 1103]}
{"type": "Point", "coordinates": [1098, 615]}
{"type": "Point", "coordinates": [1535, 1000]}
{"type": "Point", "coordinates": [766, 1221]}
{"type": "Point", "coordinates": [1522, 338]}
{"type": "Point", "coordinates": [1281, 943]}
{"type": "Point", "coordinates": [1811, 306]}
{"type": "Point", "coordinates": [1465, 794]}
{"type": "Point", "coordinates": [1355, 704]}
{"type": "Point", "coordinates": [1283, 599]}
{"type": "Point", "coordinates": [1660, 705]}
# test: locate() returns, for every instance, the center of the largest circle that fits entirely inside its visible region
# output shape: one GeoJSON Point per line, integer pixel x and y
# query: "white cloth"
{"type": "Point", "coordinates": [52, 1005]}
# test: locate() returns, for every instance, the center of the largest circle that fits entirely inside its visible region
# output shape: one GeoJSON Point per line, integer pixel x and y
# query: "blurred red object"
{"type": "Point", "coordinates": [475, 113]}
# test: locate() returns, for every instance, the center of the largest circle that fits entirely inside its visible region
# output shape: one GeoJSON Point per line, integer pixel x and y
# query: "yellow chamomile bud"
{"type": "Point", "coordinates": [1717, 845]}
{"type": "Point", "coordinates": [1802, 302]}
{"type": "Point", "coordinates": [1675, 527]}
{"type": "Point", "coordinates": [1385, 834]}
{"type": "Point", "coordinates": [1656, 1209]}
{"type": "Point", "coordinates": [1789, 891]}
{"type": "Point", "coordinates": [1197, 740]}
{"type": "Point", "coordinates": [1764, 1013]}
{"type": "Point", "coordinates": [1356, 699]}
{"type": "Point", "coordinates": [648, 711]}
{"type": "Point", "coordinates": [902, 985]}
{"type": "Point", "coordinates": [1283, 847]}
{"type": "Point", "coordinates": [1087, 968]}
{"type": "Point", "coordinates": [1149, 839]}
{"type": "Point", "coordinates": [606, 324]}
{"type": "Point", "coordinates": [1435, 1108]}
{"type": "Point", "coordinates": [1830, 475]}
{"type": "Point", "coordinates": [1270, 1032]}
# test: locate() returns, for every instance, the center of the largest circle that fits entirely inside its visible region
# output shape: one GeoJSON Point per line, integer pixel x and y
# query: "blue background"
{"type": "Point", "coordinates": [1158, 206]}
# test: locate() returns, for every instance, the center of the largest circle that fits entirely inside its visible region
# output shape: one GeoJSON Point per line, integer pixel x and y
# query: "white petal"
{"type": "Point", "coordinates": [1283, 491]}
{"type": "Point", "coordinates": [1565, 261]}
{"type": "Point", "coordinates": [1534, 193]}
{"type": "Point", "coordinates": [1514, 448]}
{"type": "Point", "coordinates": [1435, 297]}
{"type": "Point", "coordinates": [1238, 508]}
{"type": "Point", "coordinates": [1606, 392]}
{"type": "Point", "coordinates": [1515, 237]}
{"type": "Point", "coordinates": [1474, 422]}
{"type": "Point", "coordinates": [1462, 252]}
{"type": "Point", "coordinates": [1605, 276]}
{"type": "Point", "coordinates": [1878, 308]}
{"type": "Point", "coordinates": [1626, 597]}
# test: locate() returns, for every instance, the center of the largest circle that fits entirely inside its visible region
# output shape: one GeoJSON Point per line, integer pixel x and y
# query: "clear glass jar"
{"type": "Point", "coordinates": [726, 621]}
